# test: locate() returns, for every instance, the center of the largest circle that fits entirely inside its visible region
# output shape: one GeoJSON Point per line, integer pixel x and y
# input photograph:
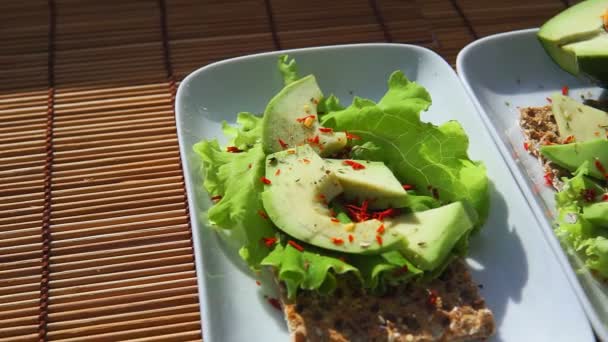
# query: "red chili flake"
{"type": "Point", "coordinates": [359, 214]}
{"type": "Point", "coordinates": [385, 213]}
{"type": "Point", "coordinates": [600, 167]}
{"type": "Point", "coordinates": [269, 241]}
{"type": "Point", "coordinates": [568, 139]}
{"type": "Point", "coordinates": [565, 90]}
{"type": "Point", "coordinates": [351, 136]}
{"type": "Point", "coordinates": [332, 213]}
{"type": "Point", "coordinates": [588, 195]}
{"type": "Point", "coordinates": [275, 303]}
{"type": "Point", "coordinates": [400, 271]}
{"type": "Point", "coordinates": [278, 172]}
{"type": "Point", "coordinates": [257, 282]}
{"type": "Point", "coordinates": [351, 238]}
{"type": "Point", "coordinates": [216, 198]}
{"type": "Point", "coordinates": [314, 140]}
{"type": "Point", "coordinates": [379, 239]}
{"type": "Point", "coordinates": [295, 245]}
{"type": "Point", "coordinates": [548, 178]}
{"type": "Point", "coordinates": [306, 161]}
{"type": "Point", "coordinates": [549, 100]}
{"type": "Point", "coordinates": [302, 119]}
{"type": "Point", "coordinates": [354, 164]}
{"type": "Point", "coordinates": [527, 146]}
{"type": "Point", "coordinates": [432, 297]}
{"type": "Point", "coordinates": [233, 149]}
{"type": "Point", "coordinates": [283, 144]}
{"type": "Point", "coordinates": [263, 214]}
{"type": "Point", "coordinates": [265, 180]}
{"type": "Point", "coordinates": [326, 130]}
{"type": "Point", "coordinates": [333, 219]}
{"type": "Point", "coordinates": [380, 229]}
{"type": "Point", "coordinates": [605, 198]}
{"type": "Point", "coordinates": [337, 241]}
{"type": "Point", "coordinates": [408, 187]}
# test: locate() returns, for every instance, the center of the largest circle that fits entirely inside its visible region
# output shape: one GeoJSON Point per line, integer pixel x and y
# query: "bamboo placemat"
{"type": "Point", "coordinates": [95, 239]}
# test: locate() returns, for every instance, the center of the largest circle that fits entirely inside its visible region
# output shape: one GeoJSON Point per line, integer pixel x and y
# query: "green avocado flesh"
{"type": "Point", "coordinates": [575, 119]}
{"type": "Point", "coordinates": [597, 214]}
{"type": "Point", "coordinates": [296, 202]}
{"type": "Point", "coordinates": [577, 41]}
{"type": "Point", "coordinates": [284, 123]}
{"type": "Point", "coordinates": [375, 183]}
{"type": "Point", "coordinates": [571, 156]}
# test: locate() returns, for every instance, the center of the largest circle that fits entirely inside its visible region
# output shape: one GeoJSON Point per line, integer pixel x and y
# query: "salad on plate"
{"type": "Point", "coordinates": [362, 213]}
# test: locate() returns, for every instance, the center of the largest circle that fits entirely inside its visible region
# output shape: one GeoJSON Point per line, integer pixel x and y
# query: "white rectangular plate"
{"type": "Point", "coordinates": [524, 284]}
{"type": "Point", "coordinates": [502, 73]}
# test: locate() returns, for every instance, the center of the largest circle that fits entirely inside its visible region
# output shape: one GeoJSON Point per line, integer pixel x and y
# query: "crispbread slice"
{"type": "Point", "coordinates": [539, 126]}
{"type": "Point", "coordinates": [446, 309]}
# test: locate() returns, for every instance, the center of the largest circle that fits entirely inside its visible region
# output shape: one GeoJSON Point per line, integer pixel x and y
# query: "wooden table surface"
{"type": "Point", "coordinates": [95, 236]}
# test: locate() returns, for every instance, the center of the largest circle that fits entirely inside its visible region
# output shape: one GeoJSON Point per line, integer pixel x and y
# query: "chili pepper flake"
{"type": "Point", "coordinates": [278, 172]}
{"type": "Point", "coordinates": [216, 198]}
{"type": "Point", "coordinates": [605, 19]}
{"type": "Point", "coordinates": [309, 121]}
{"type": "Point", "coordinates": [305, 161]}
{"type": "Point", "coordinates": [269, 241]}
{"type": "Point", "coordinates": [605, 198]}
{"type": "Point", "coordinates": [233, 149]}
{"type": "Point", "coordinates": [332, 213]}
{"type": "Point", "coordinates": [565, 90]}
{"type": "Point", "coordinates": [265, 180]}
{"type": "Point", "coordinates": [326, 130]}
{"type": "Point", "coordinates": [354, 164]}
{"type": "Point", "coordinates": [295, 245]}
{"type": "Point", "coordinates": [359, 214]}
{"type": "Point", "coordinates": [385, 213]}
{"type": "Point", "coordinates": [351, 136]}
{"type": "Point", "coordinates": [549, 100]}
{"type": "Point", "coordinates": [379, 239]}
{"type": "Point", "coordinates": [548, 178]}
{"type": "Point", "coordinates": [408, 187]}
{"type": "Point", "coordinates": [435, 193]}
{"type": "Point", "coordinates": [569, 139]}
{"type": "Point", "coordinates": [257, 282]}
{"type": "Point", "coordinates": [263, 214]}
{"type": "Point", "coordinates": [600, 167]}
{"type": "Point", "coordinates": [597, 133]}
{"type": "Point", "coordinates": [274, 302]}
{"type": "Point", "coordinates": [527, 146]}
{"type": "Point", "coordinates": [337, 241]}
{"type": "Point", "coordinates": [314, 140]}
{"type": "Point", "coordinates": [335, 220]}
{"type": "Point", "coordinates": [351, 238]}
{"type": "Point", "coordinates": [283, 144]}
{"type": "Point", "coordinates": [302, 119]}
{"type": "Point", "coordinates": [432, 297]}
{"type": "Point", "coordinates": [400, 271]}
{"type": "Point", "coordinates": [588, 195]}
{"type": "Point", "coordinates": [380, 229]}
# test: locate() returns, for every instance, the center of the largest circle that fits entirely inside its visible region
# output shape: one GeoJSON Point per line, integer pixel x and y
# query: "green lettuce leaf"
{"type": "Point", "coordinates": [247, 133]}
{"type": "Point", "coordinates": [236, 178]}
{"type": "Point", "coordinates": [589, 240]}
{"type": "Point", "coordinates": [432, 158]}
{"type": "Point", "coordinates": [288, 69]}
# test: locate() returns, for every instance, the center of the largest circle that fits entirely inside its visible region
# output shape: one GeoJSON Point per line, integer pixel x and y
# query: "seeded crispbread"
{"type": "Point", "coordinates": [448, 308]}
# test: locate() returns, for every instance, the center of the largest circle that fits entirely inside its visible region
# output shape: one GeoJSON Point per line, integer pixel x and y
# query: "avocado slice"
{"type": "Point", "coordinates": [432, 234]}
{"type": "Point", "coordinates": [296, 201]}
{"type": "Point", "coordinates": [577, 40]}
{"type": "Point", "coordinates": [597, 213]}
{"type": "Point", "coordinates": [575, 119]}
{"type": "Point", "coordinates": [291, 119]}
{"type": "Point", "coordinates": [376, 183]}
{"type": "Point", "coordinates": [571, 156]}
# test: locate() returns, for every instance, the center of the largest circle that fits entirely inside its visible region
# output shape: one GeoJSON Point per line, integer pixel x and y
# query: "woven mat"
{"type": "Point", "coordinates": [95, 237]}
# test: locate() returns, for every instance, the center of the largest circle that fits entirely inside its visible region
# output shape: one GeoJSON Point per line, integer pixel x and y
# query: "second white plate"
{"type": "Point", "coordinates": [502, 73]}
